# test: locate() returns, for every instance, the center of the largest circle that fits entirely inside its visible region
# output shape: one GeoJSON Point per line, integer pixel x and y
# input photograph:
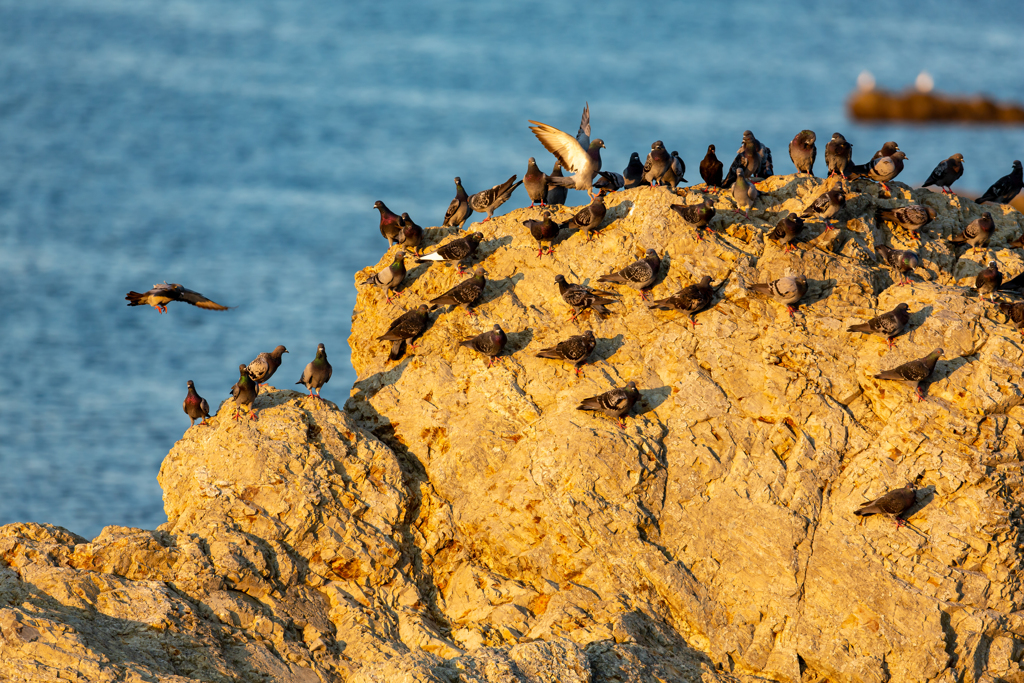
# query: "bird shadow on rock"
{"type": "Point", "coordinates": [433, 237]}
{"type": "Point", "coordinates": [606, 348]}
{"type": "Point", "coordinates": [411, 276]}
{"type": "Point", "coordinates": [517, 341]}
{"type": "Point", "coordinates": [917, 318]}
{"type": "Point", "coordinates": [817, 290]}
{"type": "Point", "coordinates": [489, 246]}
{"type": "Point", "coordinates": [924, 497]}
{"type": "Point", "coordinates": [366, 389]}
{"type": "Point", "coordinates": [614, 213]}
{"type": "Point", "coordinates": [495, 289]}
{"type": "Point", "coordinates": [650, 399]}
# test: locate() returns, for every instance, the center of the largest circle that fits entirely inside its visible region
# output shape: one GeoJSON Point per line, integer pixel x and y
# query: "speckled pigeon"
{"type": "Point", "coordinates": [609, 182]}
{"type": "Point", "coordinates": [488, 343]}
{"type": "Point", "coordinates": [457, 250]}
{"type": "Point", "coordinates": [988, 280]}
{"type": "Point", "coordinates": [544, 230]}
{"type": "Point", "coordinates": [913, 217]}
{"type": "Point", "coordinates": [487, 201]}
{"type": "Point", "coordinates": [691, 299]}
{"type": "Point", "coordinates": [458, 211]}
{"type": "Point", "coordinates": [1006, 188]}
{"type": "Point", "coordinates": [409, 325]}
{"type": "Point", "coordinates": [893, 503]}
{"type": "Point", "coordinates": [575, 349]}
{"type": "Point", "coordinates": [977, 233]}
{"type": "Point", "coordinates": [947, 172]}
{"type": "Point", "coordinates": [264, 365]}
{"type": "Point", "coordinates": [639, 275]}
{"type": "Point", "coordinates": [903, 261]}
{"type": "Point", "coordinates": [195, 406]}
{"type": "Point", "coordinates": [465, 294]}
{"type": "Point", "coordinates": [245, 391]}
{"type": "Point", "coordinates": [697, 216]}
{"type": "Point", "coordinates": [581, 297]}
{"type": "Point", "coordinates": [803, 152]}
{"type": "Point", "coordinates": [787, 231]}
{"type": "Point", "coordinates": [615, 403]}
{"type": "Point", "coordinates": [826, 206]}
{"type": "Point", "coordinates": [915, 372]}
{"type": "Point", "coordinates": [589, 218]}
{"type": "Point", "coordinates": [317, 373]}
{"type": "Point", "coordinates": [161, 295]}
{"type": "Point", "coordinates": [889, 325]}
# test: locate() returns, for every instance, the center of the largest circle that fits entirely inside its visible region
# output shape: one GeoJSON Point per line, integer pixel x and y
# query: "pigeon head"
{"type": "Point", "coordinates": [631, 386]}
{"type": "Point", "coordinates": [589, 334]}
{"type": "Point", "coordinates": [650, 253]}
{"type": "Point", "coordinates": [801, 279]}
{"type": "Point", "coordinates": [657, 144]}
{"type": "Point", "coordinates": [909, 261]}
{"type": "Point", "coordinates": [379, 205]}
{"type": "Point", "coordinates": [320, 348]}
{"type": "Point", "coordinates": [705, 281]}
{"type": "Point", "coordinates": [838, 196]}
{"type": "Point", "coordinates": [475, 237]}
{"type": "Point", "coordinates": [278, 350]}
{"type": "Point", "coordinates": [635, 156]}
{"type": "Point", "coordinates": [993, 265]}
{"type": "Point", "coordinates": [480, 272]}
{"type": "Point", "coordinates": [560, 279]}
{"type": "Point", "coordinates": [838, 137]}
{"type": "Point", "coordinates": [597, 143]}
{"type": "Point", "coordinates": [899, 155]}
{"type": "Point", "coordinates": [675, 154]}
{"type": "Point", "coordinates": [399, 256]}
{"type": "Point", "coordinates": [958, 157]}
{"type": "Point", "coordinates": [191, 385]}
{"type": "Point", "coordinates": [935, 355]}
{"type": "Point", "coordinates": [890, 148]}
{"type": "Point", "coordinates": [747, 135]}
{"type": "Point", "coordinates": [243, 371]}
{"type": "Point", "coordinates": [458, 180]}
{"type": "Point", "coordinates": [902, 307]}
{"type": "Point", "coordinates": [808, 136]}
{"type": "Point", "coordinates": [531, 160]}
{"type": "Point", "coordinates": [986, 215]}
{"type": "Point", "coordinates": [711, 149]}
{"type": "Point", "coordinates": [496, 328]}
{"type": "Point", "coordinates": [1016, 166]}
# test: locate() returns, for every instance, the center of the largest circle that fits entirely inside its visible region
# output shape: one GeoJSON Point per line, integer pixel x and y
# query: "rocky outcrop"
{"type": "Point", "coordinates": [460, 522]}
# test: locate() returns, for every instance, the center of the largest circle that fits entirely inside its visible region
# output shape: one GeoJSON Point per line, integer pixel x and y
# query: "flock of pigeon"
{"type": "Point", "coordinates": [580, 156]}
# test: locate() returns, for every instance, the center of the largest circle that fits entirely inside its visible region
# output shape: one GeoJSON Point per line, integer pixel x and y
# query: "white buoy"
{"type": "Point", "coordinates": [865, 81]}
{"type": "Point", "coordinates": [924, 82]}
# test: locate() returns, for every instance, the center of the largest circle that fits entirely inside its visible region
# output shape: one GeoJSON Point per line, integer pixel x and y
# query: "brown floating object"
{"type": "Point", "coordinates": [913, 105]}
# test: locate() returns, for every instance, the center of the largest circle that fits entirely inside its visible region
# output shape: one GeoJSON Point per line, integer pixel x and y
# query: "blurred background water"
{"type": "Point", "coordinates": [238, 147]}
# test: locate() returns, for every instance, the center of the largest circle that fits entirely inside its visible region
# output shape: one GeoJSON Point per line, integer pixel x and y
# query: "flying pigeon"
{"type": "Point", "coordinates": [195, 406]}
{"type": "Point", "coordinates": [488, 343]}
{"type": "Point", "coordinates": [536, 183]}
{"type": "Point", "coordinates": [691, 299]}
{"type": "Point", "coordinates": [487, 201]}
{"type": "Point", "coordinates": [580, 156]}
{"type": "Point", "coordinates": [245, 391]}
{"type": "Point", "coordinates": [391, 276]}
{"type": "Point", "coordinates": [556, 195]}
{"type": "Point", "coordinates": [575, 349]}
{"type": "Point", "coordinates": [916, 371]}
{"type": "Point", "coordinates": [456, 250]}
{"type": "Point", "coordinates": [161, 295]}
{"type": "Point", "coordinates": [458, 211]}
{"type": "Point", "coordinates": [826, 206]}
{"type": "Point", "coordinates": [1006, 188]}
{"type": "Point", "coordinates": [639, 275]}
{"type": "Point", "coordinates": [889, 325]}
{"type": "Point", "coordinates": [711, 169]}
{"type": "Point", "coordinates": [609, 182]}
{"type": "Point", "coordinates": [913, 217]}
{"type": "Point", "coordinates": [893, 503]}
{"type": "Point", "coordinates": [838, 154]}
{"type": "Point", "coordinates": [787, 231]}
{"type": "Point", "coordinates": [545, 230]}
{"type": "Point", "coordinates": [697, 216]}
{"type": "Point", "coordinates": [265, 365]}
{"type": "Point", "coordinates": [633, 174]}
{"type": "Point", "coordinates": [411, 235]}
{"type": "Point", "coordinates": [1013, 311]}
{"type": "Point", "coordinates": [978, 232]}
{"type": "Point", "coordinates": [658, 161]}
{"type": "Point", "coordinates": [903, 261]}
{"type": "Point", "coordinates": [581, 297]}
{"type": "Point", "coordinates": [464, 294]}
{"type": "Point", "coordinates": [409, 325]}
{"type": "Point", "coordinates": [615, 403]}
{"type": "Point", "coordinates": [989, 280]}
{"type": "Point", "coordinates": [946, 173]}
{"type": "Point", "coordinates": [803, 152]}
{"type": "Point", "coordinates": [390, 223]}
{"type": "Point", "coordinates": [589, 218]}
{"type": "Point", "coordinates": [787, 290]}
{"type": "Point", "coordinates": [317, 372]}
{"type": "Point", "coordinates": [743, 192]}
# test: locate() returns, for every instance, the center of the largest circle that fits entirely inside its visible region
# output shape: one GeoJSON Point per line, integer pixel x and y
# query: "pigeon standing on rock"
{"type": "Point", "coordinates": [390, 277]}
{"type": "Point", "coordinates": [581, 297]}
{"type": "Point", "coordinates": [245, 391]}
{"type": "Point", "coordinates": [658, 161]}
{"type": "Point", "coordinates": [889, 325]}
{"type": "Point", "coordinates": [609, 182]}
{"type": "Point", "coordinates": [411, 235]}
{"type": "Point", "coordinates": [884, 169]}
{"type": "Point", "coordinates": [589, 218]}
{"type": "Point", "coordinates": [887, 150]}
{"type": "Point", "coordinates": [536, 183]}
{"type": "Point", "coordinates": [676, 170]}
{"type": "Point", "coordinates": [488, 343]}
{"type": "Point", "coordinates": [893, 503]}
{"type": "Point", "coordinates": [787, 290]}
{"type": "Point", "coordinates": [803, 152]}
{"type": "Point", "coordinates": [915, 372]}
{"type": "Point", "coordinates": [711, 169]}
{"type": "Point", "coordinates": [743, 192]}
{"type": "Point", "coordinates": [633, 174]}
{"type": "Point", "coordinates": [580, 156]}
{"type": "Point", "coordinates": [488, 201]}
{"type": "Point", "coordinates": [575, 349]}
{"type": "Point", "coordinates": [390, 223]}
{"type": "Point", "coordinates": [913, 217]}
{"type": "Point", "coordinates": [977, 233]}
{"type": "Point", "coordinates": [1013, 311]}
{"type": "Point", "coordinates": [161, 295]}
{"type": "Point", "coordinates": [691, 299]}
{"type": "Point", "coordinates": [464, 294]}
{"type": "Point", "coordinates": [317, 373]}
{"type": "Point", "coordinates": [1006, 188]}
{"type": "Point", "coordinates": [457, 250]}
{"type": "Point", "coordinates": [409, 325]}
{"type": "Point", "coordinates": [989, 280]}
{"type": "Point", "coordinates": [946, 173]}
{"type": "Point", "coordinates": [787, 231]}
{"type": "Point", "coordinates": [556, 195]}
{"type": "Point", "coordinates": [458, 211]}
{"type": "Point", "coordinates": [753, 156]}
{"type": "Point", "coordinates": [903, 261]}
{"type": "Point", "coordinates": [639, 275]}
{"type": "Point", "coordinates": [697, 216]}
{"type": "Point", "coordinates": [838, 155]}
{"type": "Point", "coordinates": [615, 403]}
{"type": "Point", "coordinates": [544, 230]}
{"type": "Point", "coordinates": [826, 206]}
{"type": "Point", "coordinates": [195, 406]}
{"type": "Point", "coordinates": [266, 364]}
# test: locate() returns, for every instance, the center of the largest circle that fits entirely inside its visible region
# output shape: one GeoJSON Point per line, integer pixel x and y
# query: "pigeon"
{"type": "Point", "coordinates": [575, 349]}
{"type": "Point", "coordinates": [826, 206]}
{"type": "Point", "coordinates": [545, 230]}
{"type": "Point", "coordinates": [887, 150]}
{"type": "Point", "coordinates": [556, 195]}
{"type": "Point", "coordinates": [1006, 188]}
{"type": "Point", "coordinates": [409, 325]}
{"type": "Point", "coordinates": [464, 294]}
{"type": "Point", "coordinates": [245, 391]}
{"type": "Point", "coordinates": [743, 192]}
{"type": "Point", "coordinates": [803, 152]}
{"type": "Point", "coordinates": [978, 232]}
{"type": "Point", "coordinates": [390, 277]}
{"type": "Point", "coordinates": [916, 371]}
{"type": "Point", "coordinates": [1013, 311]}
{"type": "Point", "coordinates": [838, 154]}
{"type": "Point", "coordinates": [658, 161]}
{"type": "Point", "coordinates": [195, 406]}
{"type": "Point", "coordinates": [581, 297]}
{"type": "Point", "coordinates": [317, 372]}
{"type": "Point", "coordinates": [579, 155]}
{"type": "Point", "coordinates": [946, 173]}
{"type": "Point", "coordinates": [639, 275]}
{"type": "Point", "coordinates": [787, 290]}
{"type": "Point", "coordinates": [696, 216]}
{"type": "Point", "coordinates": [893, 503]}
{"type": "Point", "coordinates": [161, 295]}
{"type": "Point", "coordinates": [488, 201]}
{"type": "Point", "coordinates": [265, 365]}
{"type": "Point", "coordinates": [676, 170]}
{"type": "Point", "coordinates": [488, 343]}
{"type": "Point", "coordinates": [753, 156]}
{"type": "Point", "coordinates": [456, 250]}
{"type": "Point", "coordinates": [609, 182]}
{"type": "Point", "coordinates": [411, 235]}
{"type": "Point", "coordinates": [787, 231]}
{"type": "Point", "coordinates": [589, 218]}
{"type": "Point", "coordinates": [536, 183]}
{"type": "Point", "coordinates": [913, 217]}
{"type": "Point", "coordinates": [711, 169]}
{"type": "Point", "coordinates": [458, 211]}
{"type": "Point", "coordinates": [903, 261]}
{"type": "Point", "coordinates": [633, 174]}
{"type": "Point", "coordinates": [889, 325]}
{"type": "Point", "coordinates": [691, 299]}
{"type": "Point", "coordinates": [615, 403]}
{"type": "Point", "coordinates": [884, 169]}
{"type": "Point", "coordinates": [989, 280]}
{"type": "Point", "coordinates": [390, 223]}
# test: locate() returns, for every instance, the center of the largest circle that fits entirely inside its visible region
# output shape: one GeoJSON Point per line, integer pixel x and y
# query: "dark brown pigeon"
{"type": "Point", "coordinates": [581, 297]}
{"type": "Point", "coordinates": [988, 280]}
{"type": "Point", "coordinates": [893, 503]}
{"type": "Point", "coordinates": [691, 299]}
{"type": "Point", "coordinates": [409, 325]}
{"type": "Point", "coordinates": [838, 155]}
{"type": "Point", "coordinates": [889, 325]}
{"type": "Point", "coordinates": [536, 183]}
{"type": "Point", "coordinates": [697, 216]}
{"type": "Point", "coordinates": [946, 173]}
{"type": "Point", "coordinates": [589, 218]}
{"type": "Point", "coordinates": [545, 230]}
{"type": "Point", "coordinates": [615, 403]}
{"type": "Point", "coordinates": [195, 406]}
{"type": "Point", "coordinates": [787, 231]}
{"type": "Point", "coordinates": [1006, 188]}
{"type": "Point", "coordinates": [556, 195]}
{"type": "Point", "coordinates": [464, 294]}
{"type": "Point", "coordinates": [488, 201]}
{"type": "Point", "coordinates": [633, 174]}
{"type": "Point", "coordinates": [411, 235]}
{"type": "Point", "coordinates": [457, 250]}
{"type": "Point", "coordinates": [576, 350]}
{"type": "Point", "coordinates": [711, 170]}
{"type": "Point", "coordinates": [1013, 311]}
{"type": "Point", "coordinates": [915, 372]}
{"type": "Point", "coordinates": [913, 217]}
